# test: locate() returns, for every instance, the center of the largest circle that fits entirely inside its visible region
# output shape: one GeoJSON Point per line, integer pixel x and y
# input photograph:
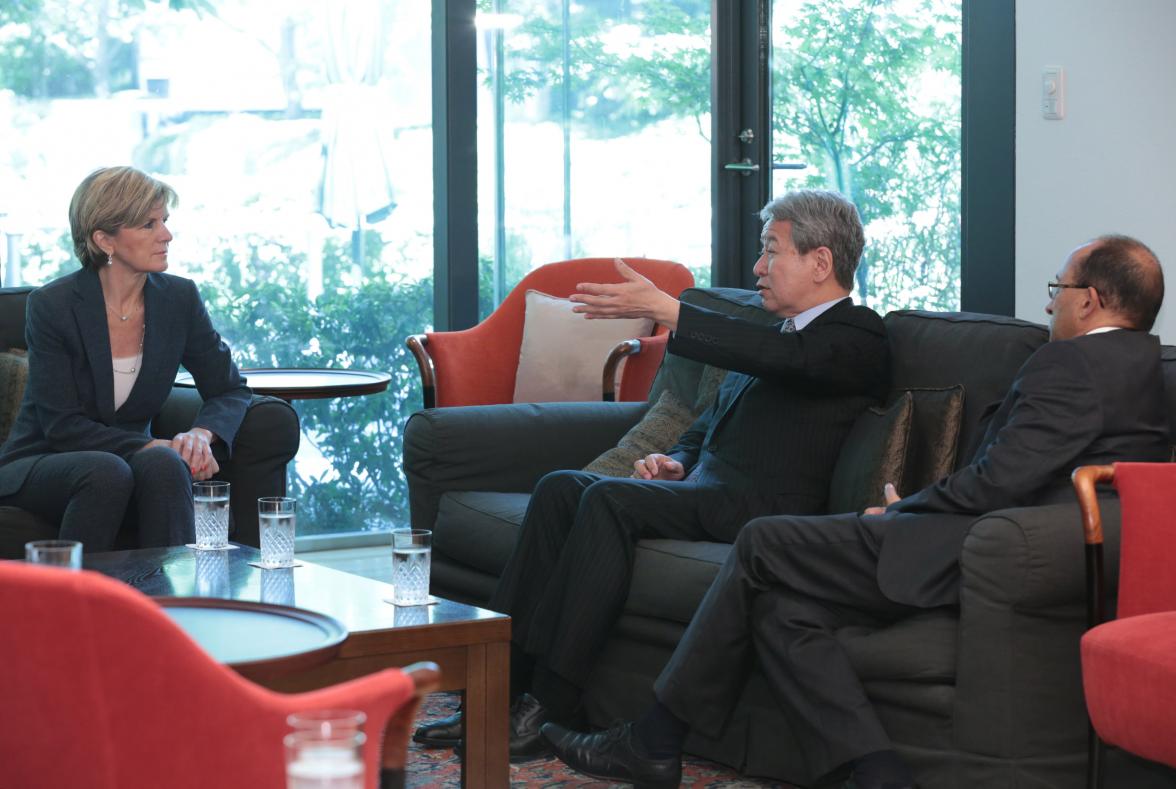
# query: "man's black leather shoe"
{"type": "Point", "coordinates": [613, 755]}
{"type": "Point", "coordinates": [526, 743]}
{"type": "Point", "coordinates": [442, 733]}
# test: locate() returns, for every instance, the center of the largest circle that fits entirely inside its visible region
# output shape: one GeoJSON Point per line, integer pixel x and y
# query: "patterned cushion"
{"type": "Point", "coordinates": [14, 373]}
{"type": "Point", "coordinates": [874, 453]}
{"type": "Point", "coordinates": [657, 431]}
{"type": "Point", "coordinates": [911, 443]}
{"type": "Point", "coordinates": [935, 436]}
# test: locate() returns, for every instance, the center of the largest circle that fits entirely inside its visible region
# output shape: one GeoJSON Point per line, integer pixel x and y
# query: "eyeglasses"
{"type": "Point", "coordinates": [1054, 287]}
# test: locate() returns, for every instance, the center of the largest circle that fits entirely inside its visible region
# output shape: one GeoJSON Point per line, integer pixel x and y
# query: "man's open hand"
{"type": "Point", "coordinates": [635, 297]}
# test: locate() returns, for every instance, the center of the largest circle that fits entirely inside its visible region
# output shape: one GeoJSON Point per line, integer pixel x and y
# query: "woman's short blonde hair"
{"type": "Point", "coordinates": [109, 199]}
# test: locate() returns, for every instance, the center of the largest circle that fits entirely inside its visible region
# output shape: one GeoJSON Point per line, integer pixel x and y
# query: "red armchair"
{"type": "Point", "coordinates": [101, 689]}
{"type": "Point", "coordinates": [1129, 664]}
{"type": "Point", "coordinates": [477, 366]}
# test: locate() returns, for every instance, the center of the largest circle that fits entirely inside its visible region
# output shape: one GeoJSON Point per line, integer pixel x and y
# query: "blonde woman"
{"type": "Point", "coordinates": [105, 343]}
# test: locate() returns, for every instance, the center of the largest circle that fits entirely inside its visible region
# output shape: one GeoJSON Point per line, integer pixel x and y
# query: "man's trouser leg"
{"type": "Point", "coordinates": [814, 575]}
{"type": "Point", "coordinates": [546, 524]}
{"type": "Point", "coordinates": [590, 582]}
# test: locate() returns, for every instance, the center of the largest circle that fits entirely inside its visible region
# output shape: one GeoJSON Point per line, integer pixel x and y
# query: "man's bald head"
{"type": "Point", "coordinates": [1127, 276]}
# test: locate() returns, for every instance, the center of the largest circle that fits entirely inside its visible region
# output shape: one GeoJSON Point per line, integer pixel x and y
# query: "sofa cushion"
{"type": "Point", "coordinates": [873, 454]}
{"type": "Point", "coordinates": [479, 529]}
{"type": "Point", "coordinates": [937, 349]}
{"type": "Point", "coordinates": [921, 648]}
{"type": "Point", "coordinates": [14, 373]}
{"type": "Point", "coordinates": [670, 577]}
{"type": "Point", "coordinates": [563, 353]}
{"type": "Point", "coordinates": [935, 435]}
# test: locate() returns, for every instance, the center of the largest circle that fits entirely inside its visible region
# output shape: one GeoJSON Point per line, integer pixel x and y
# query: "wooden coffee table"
{"type": "Point", "coordinates": [471, 645]}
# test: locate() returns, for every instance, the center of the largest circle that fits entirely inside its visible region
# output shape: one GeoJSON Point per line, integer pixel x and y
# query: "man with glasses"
{"type": "Point", "coordinates": [1092, 395]}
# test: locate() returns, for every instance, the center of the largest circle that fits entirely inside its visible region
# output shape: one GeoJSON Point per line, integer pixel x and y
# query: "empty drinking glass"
{"type": "Point", "coordinates": [211, 500]}
{"type": "Point", "coordinates": [275, 515]}
{"type": "Point", "coordinates": [55, 553]}
{"type": "Point", "coordinates": [411, 557]}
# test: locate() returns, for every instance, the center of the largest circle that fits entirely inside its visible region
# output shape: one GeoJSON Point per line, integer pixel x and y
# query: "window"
{"type": "Point", "coordinates": [593, 135]}
{"type": "Point", "coordinates": [866, 100]}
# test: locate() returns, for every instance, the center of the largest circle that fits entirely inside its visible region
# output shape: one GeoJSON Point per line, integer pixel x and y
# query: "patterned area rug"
{"type": "Point", "coordinates": [440, 767]}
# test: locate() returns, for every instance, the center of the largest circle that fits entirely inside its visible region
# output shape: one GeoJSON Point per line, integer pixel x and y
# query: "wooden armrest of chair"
{"type": "Point", "coordinates": [608, 379]}
{"type": "Point", "coordinates": [1085, 478]}
{"type": "Point", "coordinates": [426, 678]}
{"type": "Point", "coordinates": [418, 344]}
{"type": "Point", "coordinates": [638, 375]}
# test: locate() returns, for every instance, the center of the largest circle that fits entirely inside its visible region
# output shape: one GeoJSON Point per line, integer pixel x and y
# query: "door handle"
{"type": "Point", "coordinates": [744, 168]}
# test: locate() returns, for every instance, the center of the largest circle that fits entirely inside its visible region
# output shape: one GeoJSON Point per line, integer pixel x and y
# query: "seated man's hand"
{"type": "Point", "coordinates": [658, 466]}
{"type": "Point", "coordinates": [635, 297]}
{"type": "Point", "coordinates": [889, 494]}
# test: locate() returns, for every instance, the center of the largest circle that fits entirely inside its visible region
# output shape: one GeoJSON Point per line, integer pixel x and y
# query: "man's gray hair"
{"type": "Point", "coordinates": [821, 218]}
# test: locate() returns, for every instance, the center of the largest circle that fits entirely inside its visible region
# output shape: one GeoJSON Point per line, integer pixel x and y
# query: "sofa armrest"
{"type": "Point", "coordinates": [265, 443]}
{"type": "Point", "coordinates": [1033, 557]}
{"type": "Point", "coordinates": [1022, 612]}
{"type": "Point", "coordinates": [503, 448]}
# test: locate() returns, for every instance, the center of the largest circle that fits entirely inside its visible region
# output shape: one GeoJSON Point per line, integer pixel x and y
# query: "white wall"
{"type": "Point", "coordinates": [1110, 165]}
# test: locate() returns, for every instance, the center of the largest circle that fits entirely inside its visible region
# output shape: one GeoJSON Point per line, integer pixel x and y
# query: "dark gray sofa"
{"type": "Point", "coordinates": [986, 694]}
{"type": "Point", "coordinates": [265, 443]}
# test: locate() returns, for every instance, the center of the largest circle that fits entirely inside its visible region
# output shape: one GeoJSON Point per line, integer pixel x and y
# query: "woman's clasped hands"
{"type": "Point", "coordinates": [195, 448]}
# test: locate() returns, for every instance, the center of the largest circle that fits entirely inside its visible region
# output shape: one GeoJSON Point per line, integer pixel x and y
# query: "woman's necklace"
{"type": "Point", "coordinates": [138, 358]}
{"type": "Point", "coordinates": [119, 315]}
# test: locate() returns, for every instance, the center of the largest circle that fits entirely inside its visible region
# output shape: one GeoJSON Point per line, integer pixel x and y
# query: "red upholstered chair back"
{"type": "Point", "coordinates": [1147, 543]}
{"type": "Point", "coordinates": [101, 689]}
{"type": "Point", "coordinates": [477, 366]}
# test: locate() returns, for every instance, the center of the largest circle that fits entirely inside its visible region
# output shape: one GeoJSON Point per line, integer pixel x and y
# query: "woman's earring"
{"type": "Point", "coordinates": [110, 259]}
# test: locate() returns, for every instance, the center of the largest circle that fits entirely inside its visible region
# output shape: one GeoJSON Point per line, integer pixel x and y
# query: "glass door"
{"type": "Point", "coordinates": [865, 99]}
{"type": "Point", "coordinates": [593, 135]}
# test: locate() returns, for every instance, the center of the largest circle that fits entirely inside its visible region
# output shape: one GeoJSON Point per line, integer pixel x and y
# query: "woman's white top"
{"type": "Point", "coordinates": [126, 372]}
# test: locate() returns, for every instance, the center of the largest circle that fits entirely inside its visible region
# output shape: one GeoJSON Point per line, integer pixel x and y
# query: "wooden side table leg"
{"type": "Point", "coordinates": [487, 759]}
{"type": "Point", "coordinates": [497, 714]}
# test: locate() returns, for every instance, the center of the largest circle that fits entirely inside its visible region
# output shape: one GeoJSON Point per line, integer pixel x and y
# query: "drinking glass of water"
{"type": "Point", "coordinates": [211, 500]}
{"type": "Point", "coordinates": [411, 554]}
{"type": "Point", "coordinates": [275, 516]}
{"type": "Point", "coordinates": [324, 760]}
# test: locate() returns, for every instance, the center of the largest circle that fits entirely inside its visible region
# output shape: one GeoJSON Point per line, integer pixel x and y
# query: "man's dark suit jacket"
{"type": "Point", "coordinates": [68, 402]}
{"type": "Point", "coordinates": [1092, 399]}
{"type": "Point", "coordinates": [777, 424]}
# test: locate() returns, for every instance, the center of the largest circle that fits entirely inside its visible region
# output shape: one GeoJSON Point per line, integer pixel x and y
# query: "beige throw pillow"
{"type": "Point", "coordinates": [563, 353]}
